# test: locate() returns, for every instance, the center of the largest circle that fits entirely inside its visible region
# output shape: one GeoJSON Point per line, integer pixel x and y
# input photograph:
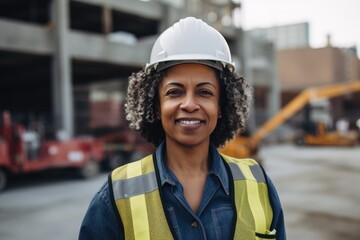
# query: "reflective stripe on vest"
{"type": "Point", "coordinates": [254, 212]}
{"type": "Point", "coordinates": [138, 200]}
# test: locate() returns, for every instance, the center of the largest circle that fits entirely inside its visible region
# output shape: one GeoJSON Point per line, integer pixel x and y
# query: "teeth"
{"type": "Point", "coordinates": [189, 122]}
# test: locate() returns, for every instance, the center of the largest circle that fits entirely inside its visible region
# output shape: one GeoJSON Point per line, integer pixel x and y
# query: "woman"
{"type": "Point", "coordinates": [187, 101]}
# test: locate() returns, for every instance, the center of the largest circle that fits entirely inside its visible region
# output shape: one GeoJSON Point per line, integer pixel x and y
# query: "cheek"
{"type": "Point", "coordinates": [212, 107]}
{"type": "Point", "coordinates": [167, 107]}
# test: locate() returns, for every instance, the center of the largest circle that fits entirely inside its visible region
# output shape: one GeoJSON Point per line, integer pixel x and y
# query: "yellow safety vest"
{"type": "Point", "coordinates": [137, 197]}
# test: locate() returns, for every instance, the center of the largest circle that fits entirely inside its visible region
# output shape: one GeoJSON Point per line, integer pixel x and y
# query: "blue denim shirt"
{"type": "Point", "coordinates": [215, 214]}
{"type": "Point", "coordinates": [213, 220]}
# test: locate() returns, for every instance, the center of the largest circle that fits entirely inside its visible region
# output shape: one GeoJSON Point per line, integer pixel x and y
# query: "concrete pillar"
{"type": "Point", "coordinates": [246, 56]}
{"type": "Point", "coordinates": [63, 109]}
{"type": "Point", "coordinates": [171, 14]}
{"type": "Point", "coordinates": [107, 20]}
{"type": "Point", "coordinates": [274, 87]}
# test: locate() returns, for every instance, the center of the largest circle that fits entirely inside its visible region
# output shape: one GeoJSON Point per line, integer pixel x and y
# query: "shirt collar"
{"type": "Point", "coordinates": [218, 168]}
{"type": "Point", "coordinates": [164, 173]}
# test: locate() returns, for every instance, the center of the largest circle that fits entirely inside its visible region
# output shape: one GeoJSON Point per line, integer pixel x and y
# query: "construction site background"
{"type": "Point", "coordinates": [64, 66]}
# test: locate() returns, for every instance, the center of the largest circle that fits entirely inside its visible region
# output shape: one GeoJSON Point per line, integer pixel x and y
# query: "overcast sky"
{"type": "Point", "coordinates": [339, 18]}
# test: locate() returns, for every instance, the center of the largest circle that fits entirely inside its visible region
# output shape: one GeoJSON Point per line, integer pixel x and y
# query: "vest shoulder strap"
{"type": "Point", "coordinates": [251, 198]}
{"type": "Point", "coordinates": [137, 198]}
{"type": "Point", "coordinates": [245, 169]}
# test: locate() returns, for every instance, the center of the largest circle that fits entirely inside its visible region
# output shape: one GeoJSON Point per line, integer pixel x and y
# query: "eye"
{"type": "Point", "coordinates": [174, 92]}
{"type": "Point", "coordinates": [205, 92]}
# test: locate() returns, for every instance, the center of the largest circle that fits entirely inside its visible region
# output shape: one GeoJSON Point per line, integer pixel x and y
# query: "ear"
{"type": "Point", "coordinates": [219, 113]}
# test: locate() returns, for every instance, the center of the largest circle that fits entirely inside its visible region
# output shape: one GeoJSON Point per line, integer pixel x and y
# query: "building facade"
{"type": "Point", "coordinates": [307, 67]}
{"type": "Point", "coordinates": [53, 51]}
{"type": "Point", "coordinates": [286, 36]}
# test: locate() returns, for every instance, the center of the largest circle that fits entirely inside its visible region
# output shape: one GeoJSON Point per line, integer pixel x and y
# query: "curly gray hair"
{"type": "Point", "coordinates": [142, 102]}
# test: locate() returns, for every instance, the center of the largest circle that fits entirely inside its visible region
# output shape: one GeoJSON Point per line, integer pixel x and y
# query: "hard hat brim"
{"type": "Point", "coordinates": [164, 65]}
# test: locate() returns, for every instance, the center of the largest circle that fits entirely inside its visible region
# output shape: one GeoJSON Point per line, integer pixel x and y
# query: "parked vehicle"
{"type": "Point", "coordinates": [22, 151]}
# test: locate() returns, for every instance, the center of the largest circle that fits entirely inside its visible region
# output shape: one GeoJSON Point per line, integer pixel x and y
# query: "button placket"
{"type": "Point", "coordinates": [194, 224]}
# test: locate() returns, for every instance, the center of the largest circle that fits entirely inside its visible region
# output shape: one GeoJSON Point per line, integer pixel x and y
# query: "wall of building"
{"type": "Point", "coordinates": [49, 49]}
{"type": "Point", "coordinates": [306, 67]}
{"type": "Point", "coordinates": [285, 36]}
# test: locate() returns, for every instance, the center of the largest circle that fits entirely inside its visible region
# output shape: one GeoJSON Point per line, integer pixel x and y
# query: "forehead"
{"type": "Point", "coordinates": [189, 72]}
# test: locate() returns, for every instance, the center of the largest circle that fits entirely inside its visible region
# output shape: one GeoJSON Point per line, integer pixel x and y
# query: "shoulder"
{"type": "Point", "coordinates": [138, 167]}
{"type": "Point", "coordinates": [249, 165]}
{"type": "Point", "coordinates": [100, 219]}
{"type": "Point", "coordinates": [245, 168]}
{"type": "Point", "coordinates": [244, 161]}
{"type": "Point", "coordinates": [101, 202]}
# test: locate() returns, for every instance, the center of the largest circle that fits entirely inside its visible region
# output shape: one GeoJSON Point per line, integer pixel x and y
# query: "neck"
{"type": "Point", "coordinates": [189, 160]}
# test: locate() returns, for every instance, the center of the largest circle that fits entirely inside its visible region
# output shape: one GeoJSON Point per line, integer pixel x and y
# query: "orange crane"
{"type": "Point", "coordinates": [242, 146]}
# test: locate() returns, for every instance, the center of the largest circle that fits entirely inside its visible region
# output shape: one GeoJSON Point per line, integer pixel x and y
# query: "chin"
{"type": "Point", "coordinates": [192, 142]}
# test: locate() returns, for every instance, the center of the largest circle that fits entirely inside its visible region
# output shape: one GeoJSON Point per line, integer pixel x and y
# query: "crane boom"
{"type": "Point", "coordinates": [306, 96]}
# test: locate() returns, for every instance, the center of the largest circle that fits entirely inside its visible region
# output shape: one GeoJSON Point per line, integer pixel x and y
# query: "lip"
{"type": "Point", "coordinates": [189, 123]}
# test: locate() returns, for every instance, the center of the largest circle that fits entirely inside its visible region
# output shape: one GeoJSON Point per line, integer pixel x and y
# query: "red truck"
{"type": "Point", "coordinates": [107, 149]}
{"type": "Point", "coordinates": [17, 156]}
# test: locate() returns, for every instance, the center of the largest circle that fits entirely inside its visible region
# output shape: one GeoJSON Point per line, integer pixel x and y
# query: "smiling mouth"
{"type": "Point", "coordinates": [190, 122]}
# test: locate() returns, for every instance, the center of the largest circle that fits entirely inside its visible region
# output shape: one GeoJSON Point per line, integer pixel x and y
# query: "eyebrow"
{"type": "Point", "coordinates": [181, 85]}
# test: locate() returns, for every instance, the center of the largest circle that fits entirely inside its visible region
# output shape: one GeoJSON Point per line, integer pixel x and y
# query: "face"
{"type": "Point", "coordinates": [189, 104]}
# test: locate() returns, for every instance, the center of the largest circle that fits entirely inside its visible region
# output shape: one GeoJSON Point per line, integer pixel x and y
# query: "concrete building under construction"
{"type": "Point", "coordinates": [58, 56]}
{"type": "Point", "coordinates": [300, 67]}
{"type": "Point", "coordinates": [306, 67]}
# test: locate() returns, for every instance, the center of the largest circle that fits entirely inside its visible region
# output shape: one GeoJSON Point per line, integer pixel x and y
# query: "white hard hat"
{"type": "Point", "coordinates": [190, 40]}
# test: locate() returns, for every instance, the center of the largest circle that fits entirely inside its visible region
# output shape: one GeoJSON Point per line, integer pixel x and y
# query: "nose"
{"type": "Point", "coordinates": [189, 104]}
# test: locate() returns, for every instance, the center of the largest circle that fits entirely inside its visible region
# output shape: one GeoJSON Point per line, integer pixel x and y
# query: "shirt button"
{"type": "Point", "coordinates": [194, 225]}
